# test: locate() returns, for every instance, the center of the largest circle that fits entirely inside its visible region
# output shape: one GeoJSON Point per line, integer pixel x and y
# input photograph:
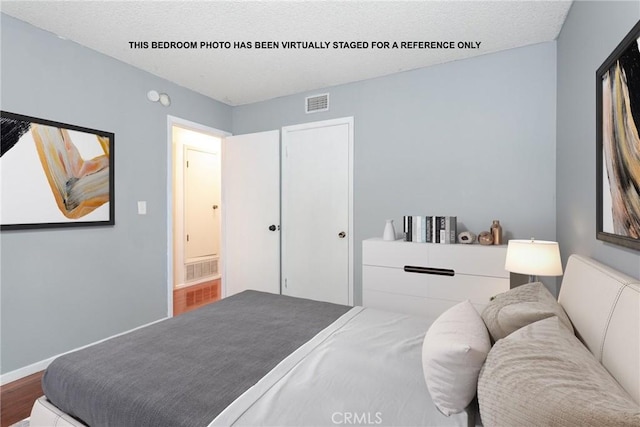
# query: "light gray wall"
{"type": "Point", "coordinates": [591, 32]}
{"type": "Point", "coordinates": [65, 288]}
{"type": "Point", "coordinates": [473, 138]}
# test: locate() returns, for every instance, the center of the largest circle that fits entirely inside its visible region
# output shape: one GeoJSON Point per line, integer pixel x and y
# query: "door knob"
{"type": "Point", "coordinates": [342, 234]}
{"type": "Point", "coordinates": [272, 227]}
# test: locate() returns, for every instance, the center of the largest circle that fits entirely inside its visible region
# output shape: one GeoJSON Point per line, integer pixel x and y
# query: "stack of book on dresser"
{"type": "Point", "coordinates": [430, 229]}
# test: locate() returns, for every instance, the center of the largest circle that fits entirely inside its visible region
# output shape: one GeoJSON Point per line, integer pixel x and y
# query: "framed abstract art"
{"type": "Point", "coordinates": [618, 144]}
{"type": "Point", "coordinates": [54, 174]}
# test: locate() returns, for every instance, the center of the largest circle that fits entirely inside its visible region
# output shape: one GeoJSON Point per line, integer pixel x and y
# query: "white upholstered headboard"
{"type": "Point", "coordinates": [604, 307]}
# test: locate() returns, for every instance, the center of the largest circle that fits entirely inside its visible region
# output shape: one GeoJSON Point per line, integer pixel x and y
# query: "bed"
{"type": "Point", "coordinates": [263, 359]}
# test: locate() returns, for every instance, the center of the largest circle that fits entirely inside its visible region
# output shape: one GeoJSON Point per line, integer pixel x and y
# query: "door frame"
{"type": "Point", "coordinates": [196, 127]}
{"type": "Point", "coordinates": [284, 135]}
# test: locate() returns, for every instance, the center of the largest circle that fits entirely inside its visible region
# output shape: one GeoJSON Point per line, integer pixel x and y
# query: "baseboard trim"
{"type": "Point", "coordinates": [20, 373]}
{"type": "Point", "coordinates": [42, 365]}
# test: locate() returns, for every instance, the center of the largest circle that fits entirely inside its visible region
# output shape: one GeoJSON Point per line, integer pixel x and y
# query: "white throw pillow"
{"type": "Point", "coordinates": [454, 349]}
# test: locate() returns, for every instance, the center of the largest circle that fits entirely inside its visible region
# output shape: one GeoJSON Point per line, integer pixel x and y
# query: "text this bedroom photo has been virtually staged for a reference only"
{"type": "Point", "coordinates": [305, 45]}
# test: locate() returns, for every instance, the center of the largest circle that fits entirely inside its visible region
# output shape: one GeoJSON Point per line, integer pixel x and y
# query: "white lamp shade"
{"type": "Point", "coordinates": [533, 257]}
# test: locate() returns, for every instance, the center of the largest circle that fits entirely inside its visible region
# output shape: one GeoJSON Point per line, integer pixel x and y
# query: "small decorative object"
{"type": "Point", "coordinates": [389, 231]}
{"type": "Point", "coordinates": [485, 238]}
{"type": "Point", "coordinates": [466, 237]}
{"type": "Point", "coordinates": [496, 232]}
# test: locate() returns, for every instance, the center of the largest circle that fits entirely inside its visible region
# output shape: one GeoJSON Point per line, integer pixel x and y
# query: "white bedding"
{"type": "Point", "coordinates": [364, 369]}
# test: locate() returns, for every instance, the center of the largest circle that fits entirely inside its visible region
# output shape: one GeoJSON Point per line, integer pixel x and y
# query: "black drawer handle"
{"type": "Point", "coordinates": [429, 270]}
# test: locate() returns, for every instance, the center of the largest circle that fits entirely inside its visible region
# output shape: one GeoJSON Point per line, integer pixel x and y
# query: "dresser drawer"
{"type": "Point", "coordinates": [470, 259]}
{"type": "Point", "coordinates": [477, 289]}
{"type": "Point", "coordinates": [467, 259]}
{"type": "Point", "coordinates": [394, 280]}
{"type": "Point", "coordinates": [478, 274]}
{"type": "Point", "coordinates": [394, 254]}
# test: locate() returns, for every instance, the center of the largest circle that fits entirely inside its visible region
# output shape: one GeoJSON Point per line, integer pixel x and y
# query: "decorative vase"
{"type": "Point", "coordinates": [389, 231]}
{"type": "Point", "coordinates": [496, 232]}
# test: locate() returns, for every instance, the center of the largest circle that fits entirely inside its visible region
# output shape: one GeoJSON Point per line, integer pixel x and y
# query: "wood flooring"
{"type": "Point", "coordinates": [17, 397]}
{"type": "Point", "coordinates": [191, 297]}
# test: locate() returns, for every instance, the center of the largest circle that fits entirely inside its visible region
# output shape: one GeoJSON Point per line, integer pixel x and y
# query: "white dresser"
{"type": "Point", "coordinates": [425, 279]}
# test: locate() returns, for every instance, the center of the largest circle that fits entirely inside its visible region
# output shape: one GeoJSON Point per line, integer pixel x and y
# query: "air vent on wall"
{"type": "Point", "coordinates": [201, 269]}
{"type": "Point", "coordinates": [316, 103]}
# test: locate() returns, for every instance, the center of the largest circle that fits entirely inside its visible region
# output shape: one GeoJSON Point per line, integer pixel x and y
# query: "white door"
{"type": "Point", "coordinates": [202, 201]}
{"type": "Point", "coordinates": [251, 199]}
{"type": "Point", "coordinates": [316, 204]}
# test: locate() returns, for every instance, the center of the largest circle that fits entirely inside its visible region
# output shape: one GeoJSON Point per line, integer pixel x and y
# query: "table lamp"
{"type": "Point", "coordinates": [533, 257]}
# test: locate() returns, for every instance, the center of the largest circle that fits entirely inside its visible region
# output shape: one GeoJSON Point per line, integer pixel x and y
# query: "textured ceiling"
{"type": "Point", "coordinates": [239, 76]}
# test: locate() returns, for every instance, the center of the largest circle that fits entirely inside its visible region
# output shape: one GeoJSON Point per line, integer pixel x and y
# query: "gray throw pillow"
{"type": "Point", "coordinates": [518, 307]}
{"type": "Point", "coordinates": [542, 375]}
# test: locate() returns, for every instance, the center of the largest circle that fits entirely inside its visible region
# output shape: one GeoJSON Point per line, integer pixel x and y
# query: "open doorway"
{"type": "Point", "coordinates": [196, 212]}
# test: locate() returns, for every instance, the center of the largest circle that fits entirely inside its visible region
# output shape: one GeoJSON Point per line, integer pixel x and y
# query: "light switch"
{"type": "Point", "coordinates": [142, 207]}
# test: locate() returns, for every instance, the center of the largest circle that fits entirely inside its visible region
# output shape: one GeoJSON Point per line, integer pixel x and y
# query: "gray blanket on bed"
{"type": "Point", "coordinates": [184, 371]}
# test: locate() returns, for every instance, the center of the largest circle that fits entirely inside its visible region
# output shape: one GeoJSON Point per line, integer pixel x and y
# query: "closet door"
{"type": "Point", "coordinates": [251, 212]}
{"type": "Point", "coordinates": [202, 202]}
{"type": "Point", "coordinates": [316, 205]}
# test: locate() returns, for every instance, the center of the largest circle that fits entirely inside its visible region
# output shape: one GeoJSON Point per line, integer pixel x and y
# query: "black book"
{"type": "Point", "coordinates": [407, 228]}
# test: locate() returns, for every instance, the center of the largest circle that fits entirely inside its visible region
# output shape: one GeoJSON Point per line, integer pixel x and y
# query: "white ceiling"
{"type": "Point", "coordinates": [241, 76]}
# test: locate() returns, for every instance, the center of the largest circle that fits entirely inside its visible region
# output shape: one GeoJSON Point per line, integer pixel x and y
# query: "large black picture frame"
{"type": "Point", "coordinates": [617, 144]}
{"type": "Point", "coordinates": [55, 174]}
